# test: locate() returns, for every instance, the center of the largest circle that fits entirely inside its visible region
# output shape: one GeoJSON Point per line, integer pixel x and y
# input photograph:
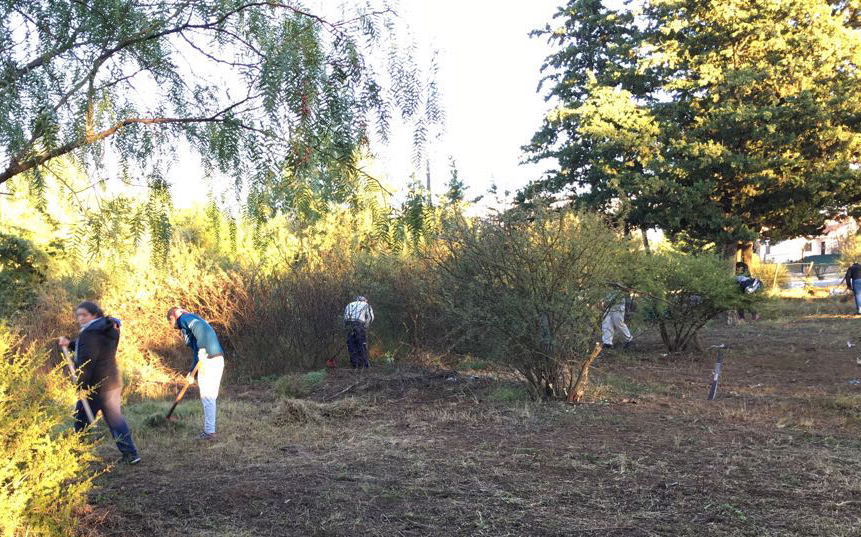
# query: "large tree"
{"type": "Point", "coordinates": [282, 98]}
{"type": "Point", "coordinates": [716, 119]}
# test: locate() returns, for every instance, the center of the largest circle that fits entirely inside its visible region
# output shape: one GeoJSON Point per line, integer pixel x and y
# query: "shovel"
{"type": "Point", "coordinates": [83, 398]}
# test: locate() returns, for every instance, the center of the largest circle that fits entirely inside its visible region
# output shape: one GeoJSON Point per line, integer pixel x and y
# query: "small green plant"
{"type": "Point", "coordinates": [299, 385]}
{"type": "Point", "coordinates": [508, 394]}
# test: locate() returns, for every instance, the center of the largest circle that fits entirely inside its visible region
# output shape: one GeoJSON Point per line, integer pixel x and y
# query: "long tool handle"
{"type": "Point", "coordinates": [715, 378]}
{"type": "Point", "coordinates": [83, 398]}
{"type": "Point", "coordinates": [181, 393]}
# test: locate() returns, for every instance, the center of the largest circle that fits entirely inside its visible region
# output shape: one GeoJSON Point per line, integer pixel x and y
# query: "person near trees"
{"type": "Point", "coordinates": [96, 362]}
{"type": "Point", "coordinates": [207, 362]}
{"type": "Point", "coordinates": [358, 316]}
{"type": "Point", "coordinates": [748, 284]}
{"type": "Point", "coordinates": [853, 282]}
{"type": "Point", "coordinates": [614, 319]}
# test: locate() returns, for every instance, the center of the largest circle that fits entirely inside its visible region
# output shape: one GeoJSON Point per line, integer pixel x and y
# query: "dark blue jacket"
{"type": "Point", "coordinates": [96, 354]}
{"type": "Point", "coordinates": [198, 335]}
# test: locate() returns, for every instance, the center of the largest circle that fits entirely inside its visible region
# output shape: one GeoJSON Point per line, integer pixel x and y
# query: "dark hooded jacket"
{"type": "Point", "coordinates": [96, 355]}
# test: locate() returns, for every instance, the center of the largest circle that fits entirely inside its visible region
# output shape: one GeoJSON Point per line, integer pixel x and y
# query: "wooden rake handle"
{"type": "Point", "coordinates": [71, 364]}
{"type": "Point", "coordinates": [181, 393]}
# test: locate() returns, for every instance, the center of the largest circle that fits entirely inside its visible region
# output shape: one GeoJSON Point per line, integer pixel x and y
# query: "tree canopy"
{"type": "Point", "coordinates": [283, 99]}
{"type": "Point", "coordinates": [719, 120]}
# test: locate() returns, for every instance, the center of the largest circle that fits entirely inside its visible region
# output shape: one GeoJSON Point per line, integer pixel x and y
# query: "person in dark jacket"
{"type": "Point", "coordinates": [853, 282]}
{"type": "Point", "coordinates": [205, 348]}
{"type": "Point", "coordinates": [95, 359]}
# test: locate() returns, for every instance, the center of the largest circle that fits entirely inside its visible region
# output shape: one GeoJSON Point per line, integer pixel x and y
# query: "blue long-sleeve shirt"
{"type": "Point", "coordinates": [198, 335]}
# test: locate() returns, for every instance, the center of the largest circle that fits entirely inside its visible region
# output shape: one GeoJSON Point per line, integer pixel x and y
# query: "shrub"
{"type": "Point", "coordinates": [288, 322]}
{"type": "Point", "coordinates": [43, 462]}
{"type": "Point", "coordinates": [22, 269]}
{"type": "Point", "coordinates": [684, 291]}
{"type": "Point", "coordinates": [398, 287]}
{"type": "Point", "coordinates": [527, 289]}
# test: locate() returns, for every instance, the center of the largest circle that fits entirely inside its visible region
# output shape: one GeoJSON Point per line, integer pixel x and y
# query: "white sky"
{"type": "Point", "coordinates": [489, 72]}
{"type": "Point", "coordinates": [488, 75]}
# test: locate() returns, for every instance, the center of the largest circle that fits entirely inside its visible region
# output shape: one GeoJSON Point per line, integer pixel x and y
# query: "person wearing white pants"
{"type": "Point", "coordinates": [206, 350]}
{"type": "Point", "coordinates": [209, 380]}
{"type": "Point", "coordinates": [614, 319]}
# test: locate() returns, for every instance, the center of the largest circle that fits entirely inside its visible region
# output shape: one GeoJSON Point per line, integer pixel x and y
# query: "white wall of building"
{"type": "Point", "coordinates": [797, 249]}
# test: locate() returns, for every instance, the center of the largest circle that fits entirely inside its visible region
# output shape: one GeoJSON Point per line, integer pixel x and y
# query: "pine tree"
{"type": "Point", "coordinates": [715, 120]}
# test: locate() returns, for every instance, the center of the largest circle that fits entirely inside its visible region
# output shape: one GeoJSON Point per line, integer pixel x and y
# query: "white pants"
{"type": "Point", "coordinates": [614, 320]}
{"type": "Point", "coordinates": [208, 380]}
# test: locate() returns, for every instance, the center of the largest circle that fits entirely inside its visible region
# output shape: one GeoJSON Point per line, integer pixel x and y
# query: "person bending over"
{"type": "Point", "coordinates": [205, 350]}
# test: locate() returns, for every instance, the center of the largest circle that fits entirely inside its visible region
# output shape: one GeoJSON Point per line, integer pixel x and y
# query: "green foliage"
{"type": "Point", "coordinates": [456, 187]}
{"type": "Point", "coordinates": [299, 385]}
{"type": "Point", "coordinates": [44, 474]}
{"type": "Point", "coordinates": [298, 99]}
{"type": "Point", "coordinates": [712, 120]}
{"type": "Point", "coordinates": [526, 290]}
{"type": "Point", "coordinates": [682, 292]}
{"type": "Point", "coordinates": [22, 268]}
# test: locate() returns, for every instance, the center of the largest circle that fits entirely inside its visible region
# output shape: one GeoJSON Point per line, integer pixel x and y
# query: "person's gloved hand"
{"type": "Point", "coordinates": [190, 379]}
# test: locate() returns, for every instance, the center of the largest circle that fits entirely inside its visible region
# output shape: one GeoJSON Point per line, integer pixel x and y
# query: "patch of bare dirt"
{"type": "Point", "coordinates": [416, 451]}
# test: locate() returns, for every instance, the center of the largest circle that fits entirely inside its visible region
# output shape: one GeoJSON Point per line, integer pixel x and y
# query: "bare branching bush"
{"type": "Point", "coordinates": [289, 322]}
{"type": "Point", "coordinates": [527, 290]}
{"type": "Point", "coordinates": [400, 288]}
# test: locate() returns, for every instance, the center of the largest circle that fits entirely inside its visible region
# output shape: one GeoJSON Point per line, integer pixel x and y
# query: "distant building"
{"type": "Point", "coordinates": [796, 250]}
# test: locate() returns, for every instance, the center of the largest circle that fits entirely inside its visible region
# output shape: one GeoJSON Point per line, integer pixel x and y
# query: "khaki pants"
{"type": "Point", "coordinates": [614, 320]}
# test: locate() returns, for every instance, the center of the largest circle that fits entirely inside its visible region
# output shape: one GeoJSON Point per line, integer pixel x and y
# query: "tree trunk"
{"type": "Point", "coordinates": [665, 336]}
{"type": "Point", "coordinates": [579, 390]}
{"type": "Point", "coordinates": [730, 251]}
{"type": "Point", "coordinates": [646, 241]}
{"type": "Point", "coordinates": [746, 249]}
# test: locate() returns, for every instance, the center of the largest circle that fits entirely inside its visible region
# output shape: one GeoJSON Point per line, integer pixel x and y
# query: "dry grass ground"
{"type": "Point", "coordinates": [411, 451]}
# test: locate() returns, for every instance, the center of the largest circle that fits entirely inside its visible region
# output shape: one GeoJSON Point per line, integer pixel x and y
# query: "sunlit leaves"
{"type": "Point", "coordinates": [716, 120]}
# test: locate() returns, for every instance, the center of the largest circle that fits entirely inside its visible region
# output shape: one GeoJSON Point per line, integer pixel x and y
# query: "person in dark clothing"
{"type": "Point", "coordinates": [358, 316]}
{"type": "Point", "coordinates": [95, 359]}
{"type": "Point", "coordinates": [747, 284]}
{"type": "Point", "coordinates": [853, 282]}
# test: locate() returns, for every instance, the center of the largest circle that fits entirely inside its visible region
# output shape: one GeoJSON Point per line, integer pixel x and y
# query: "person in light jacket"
{"type": "Point", "coordinates": [205, 348]}
{"type": "Point", "coordinates": [358, 316]}
{"type": "Point", "coordinates": [614, 319]}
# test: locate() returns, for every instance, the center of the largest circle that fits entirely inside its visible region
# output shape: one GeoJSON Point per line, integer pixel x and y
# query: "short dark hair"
{"type": "Point", "coordinates": [172, 311]}
{"type": "Point", "coordinates": [91, 307]}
